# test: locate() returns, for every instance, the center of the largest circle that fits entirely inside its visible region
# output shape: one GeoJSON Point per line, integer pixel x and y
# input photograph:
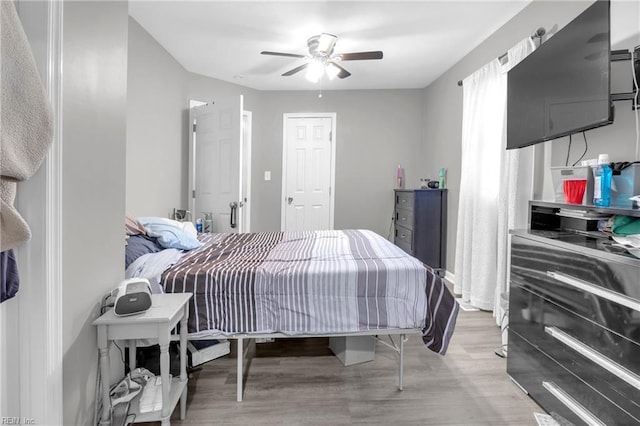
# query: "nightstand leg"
{"type": "Point", "coordinates": [104, 376]}
{"type": "Point", "coordinates": [164, 374]}
{"type": "Point", "coordinates": [183, 362]}
{"type": "Point", "coordinates": [132, 355]}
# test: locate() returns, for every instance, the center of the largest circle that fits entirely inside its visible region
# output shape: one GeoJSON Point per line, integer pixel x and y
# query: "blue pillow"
{"type": "Point", "coordinates": [171, 233]}
{"type": "Point", "coordinates": [137, 245]}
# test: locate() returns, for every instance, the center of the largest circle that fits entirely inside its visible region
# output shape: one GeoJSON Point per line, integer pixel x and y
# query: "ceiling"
{"type": "Point", "coordinates": [420, 39]}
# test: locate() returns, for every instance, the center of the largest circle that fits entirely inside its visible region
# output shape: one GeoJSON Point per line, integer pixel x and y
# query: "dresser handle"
{"type": "Point", "coordinates": [573, 405]}
{"type": "Point", "coordinates": [598, 291]}
{"type": "Point", "coordinates": [593, 355]}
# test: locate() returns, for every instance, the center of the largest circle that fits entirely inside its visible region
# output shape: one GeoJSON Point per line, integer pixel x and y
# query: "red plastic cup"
{"type": "Point", "coordinates": [574, 190]}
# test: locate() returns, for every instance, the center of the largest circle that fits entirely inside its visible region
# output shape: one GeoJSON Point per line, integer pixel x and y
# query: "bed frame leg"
{"type": "Point", "coordinates": [401, 369]}
{"type": "Point", "coordinates": [239, 368]}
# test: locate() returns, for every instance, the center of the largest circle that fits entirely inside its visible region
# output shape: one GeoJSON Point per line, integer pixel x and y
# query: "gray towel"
{"type": "Point", "coordinates": [26, 126]}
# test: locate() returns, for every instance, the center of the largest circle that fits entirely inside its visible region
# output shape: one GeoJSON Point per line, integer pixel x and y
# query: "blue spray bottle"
{"type": "Point", "coordinates": [602, 182]}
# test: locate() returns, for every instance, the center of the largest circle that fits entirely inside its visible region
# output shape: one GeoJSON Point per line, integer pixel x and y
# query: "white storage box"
{"type": "Point", "coordinates": [201, 351]}
{"type": "Point", "coordinates": [353, 349]}
{"type": "Point", "coordinates": [560, 174]}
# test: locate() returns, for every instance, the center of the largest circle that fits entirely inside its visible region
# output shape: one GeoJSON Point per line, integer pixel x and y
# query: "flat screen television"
{"type": "Point", "coordinates": [564, 86]}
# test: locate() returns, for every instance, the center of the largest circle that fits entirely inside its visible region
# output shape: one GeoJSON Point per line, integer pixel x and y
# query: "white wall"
{"type": "Point", "coordinates": [94, 90]}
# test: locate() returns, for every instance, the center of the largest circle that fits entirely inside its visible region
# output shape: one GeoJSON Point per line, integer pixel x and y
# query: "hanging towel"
{"type": "Point", "coordinates": [26, 126]}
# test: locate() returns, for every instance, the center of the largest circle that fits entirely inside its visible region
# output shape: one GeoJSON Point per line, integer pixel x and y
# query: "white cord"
{"type": "Point", "coordinates": [635, 104]}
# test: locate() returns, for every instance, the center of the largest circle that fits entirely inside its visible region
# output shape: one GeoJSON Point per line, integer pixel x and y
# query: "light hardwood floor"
{"type": "Point", "coordinates": [299, 382]}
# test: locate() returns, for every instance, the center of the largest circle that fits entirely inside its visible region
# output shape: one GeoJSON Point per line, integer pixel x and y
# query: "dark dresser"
{"type": "Point", "coordinates": [421, 225]}
{"type": "Point", "coordinates": [574, 319]}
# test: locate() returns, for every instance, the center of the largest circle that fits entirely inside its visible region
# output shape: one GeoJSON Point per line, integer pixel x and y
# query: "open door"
{"type": "Point", "coordinates": [216, 159]}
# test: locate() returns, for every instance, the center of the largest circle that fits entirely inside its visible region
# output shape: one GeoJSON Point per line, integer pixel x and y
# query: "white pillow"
{"type": "Point", "coordinates": [171, 233]}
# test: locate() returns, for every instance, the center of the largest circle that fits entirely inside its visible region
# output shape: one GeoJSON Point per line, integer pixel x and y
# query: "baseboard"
{"type": "Point", "coordinates": [449, 277]}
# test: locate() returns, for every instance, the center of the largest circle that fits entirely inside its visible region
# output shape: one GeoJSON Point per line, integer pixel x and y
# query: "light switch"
{"type": "Point", "coordinates": [267, 175]}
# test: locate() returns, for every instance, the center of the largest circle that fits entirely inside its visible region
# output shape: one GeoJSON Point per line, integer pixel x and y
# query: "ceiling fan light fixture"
{"type": "Point", "coordinates": [326, 43]}
{"type": "Point", "coordinates": [321, 58]}
{"type": "Point", "coordinates": [314, 71]}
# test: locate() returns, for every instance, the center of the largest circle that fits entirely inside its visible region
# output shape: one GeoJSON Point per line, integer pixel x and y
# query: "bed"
{"type": "Point", "coordinates": [301, 284]}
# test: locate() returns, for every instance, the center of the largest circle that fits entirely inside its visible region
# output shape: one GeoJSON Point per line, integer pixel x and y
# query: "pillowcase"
{"type": "Point", "coordinates": [171, 233]}
{"type": "Point", "coordinates": [138, 245]}
{"type": "Point", "coordinates": [132, 226]}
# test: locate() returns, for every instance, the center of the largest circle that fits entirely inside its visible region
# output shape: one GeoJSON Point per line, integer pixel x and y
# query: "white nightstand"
{"type": "Point", "coordinates": [156, 323]}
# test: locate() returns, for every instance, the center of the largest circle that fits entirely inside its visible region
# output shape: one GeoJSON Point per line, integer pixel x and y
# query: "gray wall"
{"type": "Point", "coordinates": [157, 124]}
{"type": "Point", "coordinates": [156, 178]}
{"type": "Point", "coordinates": [94, 90]}
{"type": "Point", "coordinates": [442, 119]}
{"type": "Point", "coordinates": [376, 131]}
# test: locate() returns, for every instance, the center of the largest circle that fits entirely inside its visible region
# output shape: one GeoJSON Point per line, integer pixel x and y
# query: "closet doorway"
{"type": "Point", "coordinates": [308, 171]}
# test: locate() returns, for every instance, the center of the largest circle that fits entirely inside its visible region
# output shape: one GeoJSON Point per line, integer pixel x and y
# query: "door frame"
{"type": "Point", "coordinates": [332, 173]}
{"type": "Point", "coordinates": [35, 388]}
{"type": "Point", "coordinates": [192, 158]}
{"type": "Point", "coordinates": [245, 157]}
{"type": "Point", "coordinates": [245, 170]}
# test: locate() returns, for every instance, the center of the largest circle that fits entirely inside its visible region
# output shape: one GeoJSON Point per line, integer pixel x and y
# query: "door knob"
{"type": "Point", "coordinates": [289, 200]}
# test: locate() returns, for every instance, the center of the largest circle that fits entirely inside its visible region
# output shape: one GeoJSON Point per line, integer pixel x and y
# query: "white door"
{"type": "Point", "coordinates": [216, 174]}
{"type": "Point", "coordinates": [308, 172]}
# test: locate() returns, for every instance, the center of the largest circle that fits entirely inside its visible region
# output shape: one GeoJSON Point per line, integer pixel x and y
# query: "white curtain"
{"type": "Point", "coordinates": [491, 198]}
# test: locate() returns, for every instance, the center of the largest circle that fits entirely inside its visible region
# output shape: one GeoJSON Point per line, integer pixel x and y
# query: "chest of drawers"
{"type": "Point", "coordinates": [574, 326]}
{"type": "Point", "coordinates": [420, 218]}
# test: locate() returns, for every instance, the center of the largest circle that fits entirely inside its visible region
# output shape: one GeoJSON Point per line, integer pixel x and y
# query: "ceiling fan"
{"type": "Point", "coordinates": [321, 58]}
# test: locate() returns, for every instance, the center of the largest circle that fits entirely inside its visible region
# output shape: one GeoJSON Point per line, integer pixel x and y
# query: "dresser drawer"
{"type": "Point", "coordinates": [404, 200]}
{"type": "Point", "coordinates": [602, 291]}
{"type": "Point", "coordinates": [558, 390]}
{"type": "Point", "coordinates": [404, 238]}
{"type": "Point", "coordinates": [404, 218]}
{"type": "Point", "coordinates": [601, 358]}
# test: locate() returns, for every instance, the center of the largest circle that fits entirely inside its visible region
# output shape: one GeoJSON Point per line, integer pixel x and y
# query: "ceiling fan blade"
{"type": "Point", "coordinates": [295, 70]}
{"type": "Point", "coordinates": [289, 55]}
{"type": "Point", "coordinates": [359, 56]}
{"type": "Point", "coordinates": [343, 73]}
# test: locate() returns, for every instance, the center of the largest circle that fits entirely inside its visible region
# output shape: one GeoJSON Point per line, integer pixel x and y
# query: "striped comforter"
{"type": "Point", "coordinates": [313, 282]}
